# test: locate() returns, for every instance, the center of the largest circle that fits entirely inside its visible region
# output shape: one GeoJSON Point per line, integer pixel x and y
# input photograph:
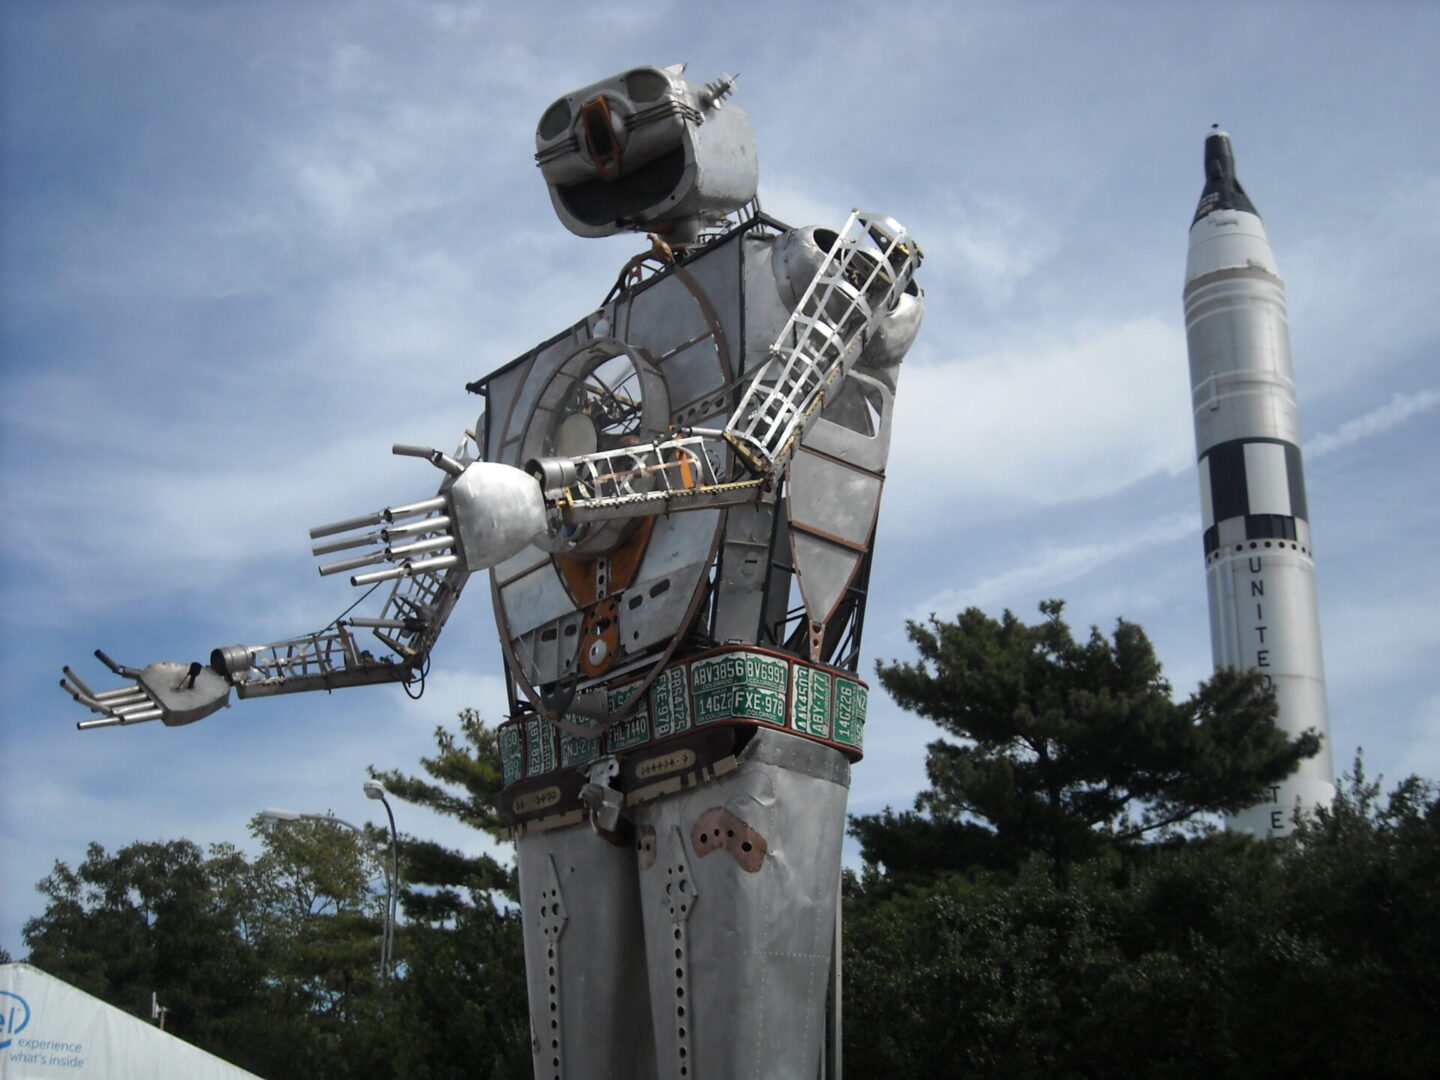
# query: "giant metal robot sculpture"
{"type": "Point", "coordinates": [676, 498]}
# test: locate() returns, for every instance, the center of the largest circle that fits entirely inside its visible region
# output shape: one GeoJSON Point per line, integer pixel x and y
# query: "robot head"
{"type": "Point", "coordinates": [646, 151]}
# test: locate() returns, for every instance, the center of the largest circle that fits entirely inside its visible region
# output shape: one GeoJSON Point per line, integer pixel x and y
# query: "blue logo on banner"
{"type": "Point", "coordinates": [14, 1015]}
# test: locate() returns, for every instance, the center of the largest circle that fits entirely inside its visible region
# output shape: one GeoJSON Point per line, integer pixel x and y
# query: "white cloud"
{"type": "Point", "coordinates": [1058, 422]}
{"type": "Point", "coordinates": [1374, 423]}
{"type": "Point", "coordinates": [791, 200]}
{"type": "Point", "coordinates": [199, 521]}
{"type": "Point", "coordinates": [449, 690]}
{"type": "Point", "coordinates": [1043, 571]}
{"type": "Point", "coordinates": [988, 242]}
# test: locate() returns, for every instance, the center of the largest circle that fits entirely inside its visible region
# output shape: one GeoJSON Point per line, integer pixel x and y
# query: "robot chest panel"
{"type": "Point", "coordinates": [606, 597]}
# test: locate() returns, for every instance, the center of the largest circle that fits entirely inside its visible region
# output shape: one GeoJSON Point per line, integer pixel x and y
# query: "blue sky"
{"type": "Point", "coordinates": [248, 246]}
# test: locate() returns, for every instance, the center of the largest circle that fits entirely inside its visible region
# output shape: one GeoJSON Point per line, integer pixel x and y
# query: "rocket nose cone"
{"type": "Point", "coordinates": [1222, 189]}
{"type": "Point", "coordinates": [1219, 158]}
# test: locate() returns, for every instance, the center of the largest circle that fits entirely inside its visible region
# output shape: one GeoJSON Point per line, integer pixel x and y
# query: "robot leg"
{"type": "Point", "coordinates": [584, 957]}
{"type": "Point", "coordinates": [738, 889]}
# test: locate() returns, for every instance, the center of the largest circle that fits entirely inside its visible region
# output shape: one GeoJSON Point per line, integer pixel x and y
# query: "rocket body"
{"type": "Point", "coordinates": [1259, 559]}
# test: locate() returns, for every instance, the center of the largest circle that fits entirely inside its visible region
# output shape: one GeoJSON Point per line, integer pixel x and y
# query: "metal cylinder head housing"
{"type": "Point", "coordinates": [646, 150]}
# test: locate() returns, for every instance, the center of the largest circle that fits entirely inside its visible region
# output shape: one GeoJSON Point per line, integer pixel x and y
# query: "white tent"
{"type": "Point", "coordinates": [51, 1031]}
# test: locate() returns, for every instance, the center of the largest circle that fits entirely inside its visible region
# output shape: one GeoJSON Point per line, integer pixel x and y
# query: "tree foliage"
{"type": "Point", "coordinates": [1192, 954]}
{"type": "Point", "coordinates": [1318, 955]}
{"type": "Point", "coordinates": [284, 945]}
{"type": "Point", "coordinates": [273, 963]}
{"type": "Point", "coordinates": [464, 990]}
{"type": "Point", "coordinates": [464, 779]}
{"type": "Point", "coordinates": [1066, 747]}
{"type": "Point", "coordinates": [1056, 904]}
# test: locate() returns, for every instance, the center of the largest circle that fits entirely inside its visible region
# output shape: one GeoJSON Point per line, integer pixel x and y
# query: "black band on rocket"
{"type": "Point", "coordinates": [1247, 477]}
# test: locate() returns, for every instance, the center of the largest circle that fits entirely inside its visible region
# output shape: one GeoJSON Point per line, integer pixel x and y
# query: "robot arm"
{"type": "Point", "coordinates": [481, 513]}
{"type": "Point", "coordinates": [856, 287]}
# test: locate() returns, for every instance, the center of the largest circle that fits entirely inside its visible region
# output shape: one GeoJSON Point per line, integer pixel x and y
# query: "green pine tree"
{"type": "Point", "coordinates": [462, 998]}
{"type": "Point", "coordinates": [1066, 747]}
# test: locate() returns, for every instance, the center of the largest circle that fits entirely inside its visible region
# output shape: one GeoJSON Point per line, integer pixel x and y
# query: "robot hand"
{"type": "Point", "coordinates": [174, 693]}
{"type": "Point", "coordinates": [484, 513]}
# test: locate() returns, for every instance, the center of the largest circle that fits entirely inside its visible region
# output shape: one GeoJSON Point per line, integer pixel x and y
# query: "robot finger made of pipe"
{"type": "Point", "coordinates": [676, 498]}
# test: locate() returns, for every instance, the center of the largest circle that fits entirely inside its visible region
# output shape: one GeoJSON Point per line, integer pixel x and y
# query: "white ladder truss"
{"type": "Point", "coordinates": [869, 267]}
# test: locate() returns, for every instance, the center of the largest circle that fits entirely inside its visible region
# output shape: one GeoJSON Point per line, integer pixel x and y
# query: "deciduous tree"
{"type": "Point", "coordinates": [152, 919]}
{"type": "Point", "coordinates": [274, 963]}
{"type": "Point", "coordinates": [286, 946]}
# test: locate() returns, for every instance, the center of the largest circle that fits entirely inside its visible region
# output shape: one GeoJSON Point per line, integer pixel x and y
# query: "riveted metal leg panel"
{"type": "Point", "coordinates": [739, 908]}
{"type": "Point", "coordinates": [584, 958]}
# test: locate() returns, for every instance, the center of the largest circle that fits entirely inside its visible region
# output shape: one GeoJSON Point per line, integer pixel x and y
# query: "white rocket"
{"type": "Point", "coordinates": [1259, 560]}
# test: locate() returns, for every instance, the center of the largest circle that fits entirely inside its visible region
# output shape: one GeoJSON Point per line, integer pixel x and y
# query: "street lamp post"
{"type": "Point", "coordinates": [374, 790]}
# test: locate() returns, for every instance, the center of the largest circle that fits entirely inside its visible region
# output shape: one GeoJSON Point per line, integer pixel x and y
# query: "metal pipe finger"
{"type": "Point", "coordinates": [351, 564]}
{"type": "Point", "coordinates": [436, 543]}
{"type": "Point", "coordinates": [122, 693]}
{"type": "Point", "coordinates": [409, 570]}
{"type": "Point", "coordinates": [140, 718]}
{"type": "Point", "coordinates": [349, 542]}
{"type": "Point", "coordinates": [435, 457]}
{"type": "Point", "coordinates": [430, 524]}
{"type": "Point", "coordinates": [84, 699]}
{"type": "Point", "coordinates": [77, 681]}
{"type": "Point", "coordinates": [130, 708]}
{"type": "Point", "coordinates": [348, 524]}
{"type": "Point", "coordinates": [118, 669]}
{"type": "Point", "coordinates": [86, 725]}
{"type": "Point", "coordinates": [424, 506]}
